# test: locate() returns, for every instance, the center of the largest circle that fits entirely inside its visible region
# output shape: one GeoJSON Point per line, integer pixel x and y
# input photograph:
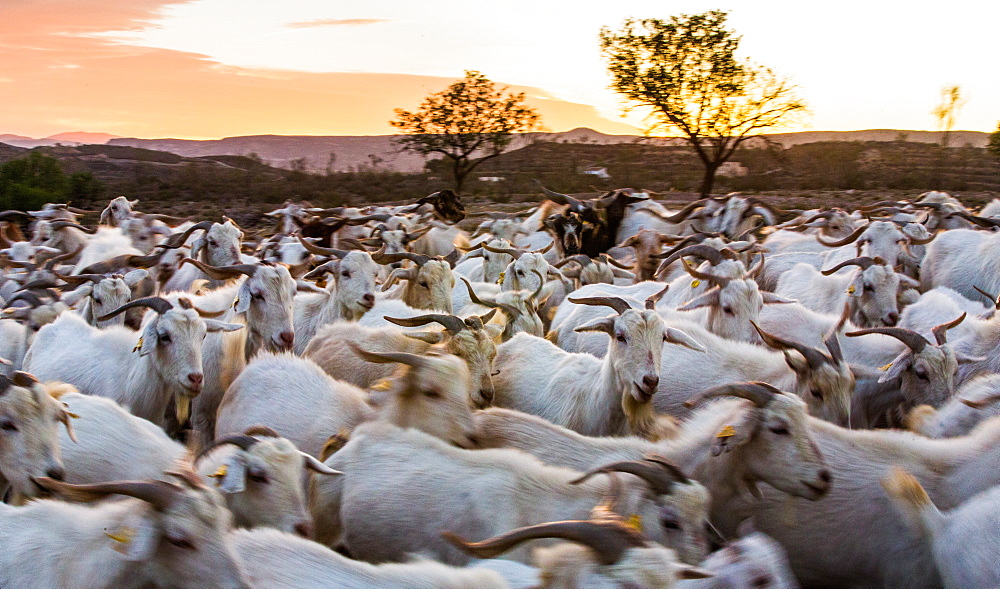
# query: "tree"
{"type": "Point", "coordinates": [31, 182]}
{"type": "Point", "coordinates": [994, 145]}
{"type": "Point", "coordinates": [686, 72]}
{"type": "Point", "coordinates": [468, 123]}
{"type": "Point", "coordinates": [947, 111]}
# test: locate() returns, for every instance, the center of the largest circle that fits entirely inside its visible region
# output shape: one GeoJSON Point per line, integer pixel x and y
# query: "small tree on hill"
{"type": "Point", "coordinates": [685, 70]}
{"type": "Point", "coordinates": [468, 123]}
{"type": "Point", "coordinates": [994, 145]}
{"type": "Point", "coordinates": [947, 111]}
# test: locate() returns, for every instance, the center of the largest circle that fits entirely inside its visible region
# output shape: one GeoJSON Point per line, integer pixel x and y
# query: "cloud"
{"type": "Point", "coordinates": [336, 22]}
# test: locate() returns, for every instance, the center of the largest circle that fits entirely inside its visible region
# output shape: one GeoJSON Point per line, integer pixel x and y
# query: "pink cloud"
{"type": "Point", "coordinates": [337, 22]}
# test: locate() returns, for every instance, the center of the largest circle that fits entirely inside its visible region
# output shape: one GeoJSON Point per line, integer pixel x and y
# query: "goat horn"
{"type": "Point", "coordinates": [177, 240]}
{"type": "Point", "coordinates": [831, 341]}
{"type": "Point", "coordinates": [222, 272]}
{"type": "Point", "coordinates": [760, 393]}
{"type": "Point", "coordinates": [10, 213]}
{"type": "Point", "coordinates": [608, 259]}
{"type": "Point", "coordinates": [381, 257]}
{"type": "Point", "coordinates": [720, 281]}
{"type": "Point", "coordinates": [941, 331]}
{"type": "Point", "coordinates": [157, 304]}
{"type": "Point", "coordinates": [80, 278]}
{"type": "Point", "coordinates": [616, 303]}
{"type": "Point", "coordinates": [912, 339]}
{"type": "Point", "coordinates": [713, 255]}
{"type": "Point", "coordinates": [56, 225]}
{"type": "Point", "coordinates": [608, 539]}
{"type": "Point", "coordinates": [660, 475]}
{"type": "Point", "coordinates": [541, 284]}
{"type": "Point", "coordinates": [51, 262]}
{"type": "Point", "coordinates": [389, 357]}
{"type": "Point", "coordinates": [160, 494]}
{"type": "Point", "coordinates": [813, 357]}
{"type": "Point", "coordinates": [652, 299]}
{"type": "Point", "coordinates": [863, 262]}
{"type": "Point", "coordinates": [322, 251]}
{"type": "Point", "coordinates": [474, 297]}
{"type": "Point", "coordinates": [993, 299]}
{"type": "Point", "coordinates": [516, 254]}
{"type": "Point", "coordinates": [582, 259]}
{"type": "Point", "coordinates": [849, 239]}
{"type": "Point", "coordinates": [450, 322]}
{"type": "Point", "coordinates": [678, 216]}
{"type": "Point", "coordinates": [563, 199]}
{"type": "Point", "coordinates": [919, 241]}
{"type": "Point", "coordinates": [25, 295]}
{"type": "Point", "coordinates": [241, 441]}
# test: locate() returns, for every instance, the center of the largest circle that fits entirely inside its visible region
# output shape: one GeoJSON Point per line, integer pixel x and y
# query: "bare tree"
{"type": "Point", "coordinates": [946, 112]}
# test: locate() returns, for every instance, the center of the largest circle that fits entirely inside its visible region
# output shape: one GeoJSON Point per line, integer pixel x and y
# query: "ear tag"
{"type": "Point", "coordinates": [137, 346]}
{"type": "Point", "coordinates": [382, 385]}
{"type": "Point", "coordinates": [886, 367]}
{"type": "Point", "coordinates": [502, 275]}
{"type": "Point", "coordinates": [122, 537]}
{"type": "Point", "coordinates": [695, 283]}
{"type": "Point", "coordinates": [236, 302]}
{"type": "Point", "coordinates": [726, 432]}
{"type": "Point", "coordinates": [634, 521]}
{"type": "Point", "coordinates": [851, 290]}
{"type": "Point", "coordinates": [321, 283]}
{"type": "Point", "coordinates": [218, 474]}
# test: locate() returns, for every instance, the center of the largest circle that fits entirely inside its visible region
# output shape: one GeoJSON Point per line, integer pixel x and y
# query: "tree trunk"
{"type": "Point", "coordinates": [708, 180]}
{"type": "Point", "coordinates": [459, 172]}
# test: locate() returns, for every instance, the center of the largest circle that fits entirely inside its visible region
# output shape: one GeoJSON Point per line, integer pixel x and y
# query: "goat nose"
{"type": "Point", "coordinates": [304, 529]}
{"type": "Point", "coordinates": [195, 379]}
{"type": "Point", "coordinates": [892, 318]}
{"type": "Point", "coordinates": [825, 476]}
{"type": "Point", "coordinates": [368, 300]}
{"type": "Point", "coordinates": [57, 473]}
{"type": "Point", "coordinates": [287, 338]}
{"type": "Point", "coordinates": [651, 381]}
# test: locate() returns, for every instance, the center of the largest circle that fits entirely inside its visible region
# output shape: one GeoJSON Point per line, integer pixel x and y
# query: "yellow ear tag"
{"type": "Point", "coordinates": [70, 413]}
{"type": "Point", "coordinates": [634, 521]}
{"type": "Point", "coordinates": [382, 385]}
{"type": "Point", "coordinates": [236, 302]}
{"type": "Point", "coordinates": [851, 289]}
{"type": "Point", "coordinates": [137, 346]}
{"type": "Point", "coordinates": [886, 367]}
{"type": "Point", "coordinates": [502, 275]}
{"type": "Point", "coordinates": [321, 283]}
{"type": "Point", "coordinates": [695, 283]}
{"type": "Point", "coordinates": [726, 432]}
{"type": "Point", "coordinates": [218, 474]}
{"type": "Point", "coordinates": [123, 536]}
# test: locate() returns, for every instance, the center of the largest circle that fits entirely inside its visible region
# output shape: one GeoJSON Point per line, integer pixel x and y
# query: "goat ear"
{"type": "Point", "coordinates": [431, 337]}
{"type": "Point", "coordinates": [243, 299]}
{"type": "Point", "coordinates": [397, 274]}
{"type": "Point", "coordinates": [607, 325]}
{"type": "Point", "coordinates": [672, 335]}
{"type": "Point", "coordinates": [147, 343]}
{"type": "Point", "coordinates": [962, 358]}
{"type": "Point", "coordinates": [138, 544]}
{"type": "Point", "coordinates": [494, 330]}
{"type": "Point", "coordinates": [196, 247]}
{"type": "Point", "coordinates": [234, 479]}
{"type": "Point", "coordinates": [796, 361]}
{"type": "Point", "coordinates": [771, 298]}
{"type": "Point", "coordinates": [897, 367]}
{"type": "Point", "coordinates": [709, 299]}
{"type": "Point", "coordinates": [735, 435]}
{"type": "Point", "coordinates": [135, 277]}
{"type": "Point", "coordinates": [213, 325]}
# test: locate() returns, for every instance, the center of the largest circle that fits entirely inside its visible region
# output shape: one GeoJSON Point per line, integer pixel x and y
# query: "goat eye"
{"type": "Point", "coordinates": [345, 274]}
{"type": "Point", "coordinates": [620, 337]}
{"type": "Point", "coordinates": [164, 338]}
{"type": "Point", "coordinates": [761, 581]}
{"type": "Point", "coordinates": [259, 477]}
{"type": "Point", "coordinates": [432, 394]}
{"type": "Point", "coordinates": [669, 524]}
{"type": "Point", "coordinates": [257, 296]}
{"type": "Point", "coordinates": [98, 302]}
{"type": "Point", "coordinates": [727, 310]}
{"type": "Point", "coordinates": [817, 393]}
{"type": "Point", "coordinates": [869, 288]}
{"type": "Point", "coordinates": [212, 243]}
{"type": "Point", "coordinates": [423, 283]}
{"type": "Point", "coordinates": [8, 425]}
{"type": "Point", "coordinates": [780, 430]}
{"type": "Point", "coordinates": [181, 543]}
{"type": "Point", "coordinates": [922, 375]}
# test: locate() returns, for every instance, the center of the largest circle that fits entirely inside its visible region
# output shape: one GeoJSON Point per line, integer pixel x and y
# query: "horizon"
{"type": "Point", "coordinates": [211, 69]}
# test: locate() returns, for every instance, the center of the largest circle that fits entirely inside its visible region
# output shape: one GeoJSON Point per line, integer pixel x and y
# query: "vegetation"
{"type": "Point", "coordinates": [994, 145]}
{"type": "Point", "coordinates": [947, 111]}
{"type": "Point", "coordinates": [468, 123]}
{"type": "Point", "coordinates": [685, 71]}
{"type": "Point", "coordinates": [30, 182]}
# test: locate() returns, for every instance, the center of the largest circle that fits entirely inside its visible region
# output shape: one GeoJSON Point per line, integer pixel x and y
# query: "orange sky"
{"type": "Point", "coordinates": [53, 78]}
{"type": "Point", "coordinates": [215, 68]}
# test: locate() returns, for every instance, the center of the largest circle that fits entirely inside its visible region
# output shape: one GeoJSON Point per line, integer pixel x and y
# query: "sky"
{"type": "Point", "coordinates": [214, 68]}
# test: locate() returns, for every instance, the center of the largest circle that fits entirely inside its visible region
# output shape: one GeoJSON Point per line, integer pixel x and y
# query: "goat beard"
{"type": "Point", "coordinates": [182, 408]}
{"type": "Point", "coordinates": [640, 416]}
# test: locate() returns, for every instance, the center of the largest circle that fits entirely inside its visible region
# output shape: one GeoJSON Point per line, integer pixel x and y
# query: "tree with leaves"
{"type": "Point", "coordinates": [993, 147]}
{"type": "Point", "coordinates": [947, 111]}
{"type": "Point", "coordinates": [468, 123]}
{"type": "Point", "coordinates": [686, 72]}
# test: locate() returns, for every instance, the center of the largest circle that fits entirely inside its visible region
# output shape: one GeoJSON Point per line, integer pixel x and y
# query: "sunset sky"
{"type": "Point", "coordinates": [216, 68]}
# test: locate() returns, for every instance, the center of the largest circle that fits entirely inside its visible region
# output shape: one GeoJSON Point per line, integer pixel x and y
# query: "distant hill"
{"type": "Point", "coordinates": [71, 138]}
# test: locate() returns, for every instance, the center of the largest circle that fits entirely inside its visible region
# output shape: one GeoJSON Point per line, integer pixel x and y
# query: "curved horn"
{"type": "Point", "coordinates": [389, 357]}
{"type": "Point", "coordinates": [474, 297]}
{"type": "Point", "coordinates": [380, 257]}
{"type": "Point", "coordinates": [940, 331]}
{"type": "Point", "coordinates": [830, 339]}
{"type": "Point", "coordinates": [849, 239]}
{"type": "Point", "coordinates": [177, 239]}
{"type": "Point", "coordinates": [56, 225]}
{"type": "Point", "coordinates": [652, 299]}
{"type": "Point", "coordinates": [616, 303]}
{"type": "Point", "coordinates": [608, 259]}
{"type": "Point", "coordinates": [11, 213]}
{"type": "Point", "coordinates": [720, 281]}
{"type": "Point", "coordinates": [160, 494]}
{"type": "Point", "coordinates": [993, 299]}
{"type": "Point", "coordinates": [912, 339]}
{"type": "Point", "coordinates": [608, 539]}
{"type": "Point", "coordinates": [863, 262]}
{"type": "Point", "coordinates": [241, 441]}
{"type": "Point", "coordinates": [25, 295]}
{"type": "Point", "coordinates": [321, 251]}
{"type": "Point", "coordinates": [222, 272]}
{"type": "Point", "coordinates": [515, 253]}
{"type": "Point", "coordinates": [920, 241]}
{"type": "Point", "coordinates": [813, 357]}
{"type": "Point", "coordinates": [582, 259]}
{"type": "Point", "coordinates": [450, 322]}
{"type": "Point", "coordinates": [660, 475]}
{"type": "Point", "coordinates": [51, 262]}
{"type": "Point", "coordinates": [713, 255]}
{"type": "Point", "coordinates": [760, 393]}
{"type": "Point", "coordinates": [563, 199]}
{"type": "Point", "coordinates": [678, 216]}
{"type": "Point", "coordinates": [157, 304]}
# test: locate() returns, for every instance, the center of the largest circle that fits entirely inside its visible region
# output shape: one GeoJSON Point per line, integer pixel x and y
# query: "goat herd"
{"type": "Point", "coordinates": [591, 393]}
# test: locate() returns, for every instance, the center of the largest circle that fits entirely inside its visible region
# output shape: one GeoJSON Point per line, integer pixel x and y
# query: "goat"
{"type": "Point", "coordinates": [169, 532]}
{"type": "Point", "coordinates": [471, 339]}
{"type": "Point", "coordinates": [219, 246]}
{"type": "Point", "coordinates": [101, 362]}
{"type": "Point", "coordinates": [96, 295]}
{"type": "Point", "coordinates": [976, 401]}
{"type": "Point", "coordinates": [428, 285]}
{"type": "Point", "coordinates": [670, 507]}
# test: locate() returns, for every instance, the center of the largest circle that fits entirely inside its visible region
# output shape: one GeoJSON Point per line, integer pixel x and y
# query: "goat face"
{"type": "Point", "coordinates": [827, 389]}
{"type": "Point", "coordinates": [434, 398]}
{"type": "Point", "coordinates": [267, 298]}
{"type": "Point", "coordinates": [221, 244]}
{"type": "Point", "coordinates": [119, 209]}
{"type": "Point", "coordinates": [355, 277]}
{"type": "Point", "coordinates": [431, 287]}
{"type": "Point", "coordinates": [523, 273]}
{"type": "Point", "coordinates": [875, 297]}
{"type": "Point", "coordinates": [568, 232]}
{"type": "Point", "coordinates": [29, 437]}
{"type": "Point", "coordinates": [635, 352]}
{"type": "Point", "coordinates": [684, 521]}
{"type": "Point", "coordinates": [263, 484]}
{"type": "Point", "coordinates": [478, 349]}
{"type": "Point", "coordinates": [176, 338]}
{"type": "Point", "coordinates": [777, 448]}
{"type": "Point", "coordinates": [111, 293]}
{"type": "Point", "coordinates": [447, 206]}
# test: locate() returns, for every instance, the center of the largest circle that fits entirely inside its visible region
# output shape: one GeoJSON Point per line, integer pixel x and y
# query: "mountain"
{"type": "Point", "coordinates": [70, 138]}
